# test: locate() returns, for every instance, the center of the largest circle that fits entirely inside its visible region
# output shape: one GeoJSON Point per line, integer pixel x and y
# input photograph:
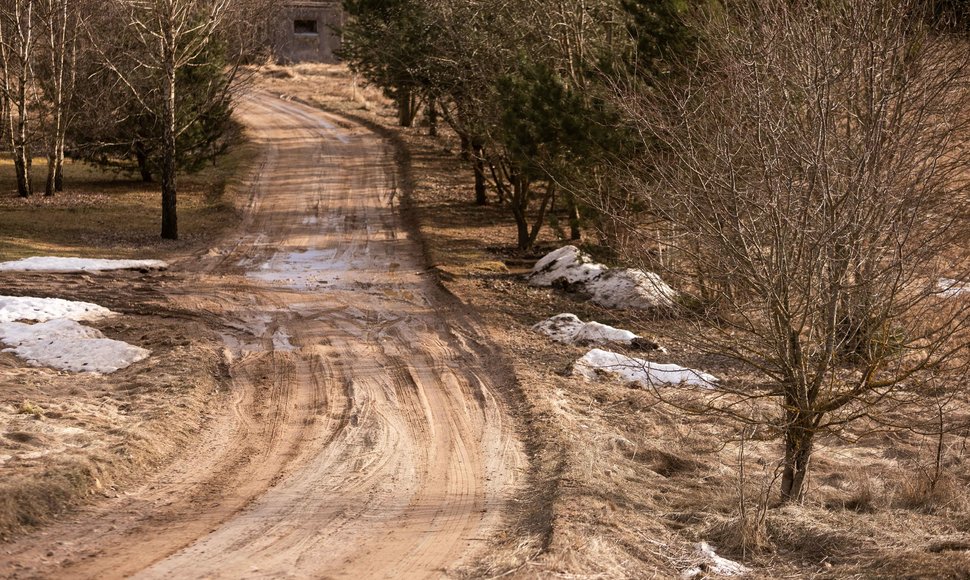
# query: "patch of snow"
{"type": "Point", "coordinates": [630, 288]}
{"type": "Point", "coordinates": [14, 308]}
{"type": "Point", "coordinates": [953, 288]}
{"type": "Point", "coordinates": [712, 565]}
{"type": "Point", "coordinates": [609, 288]}
{"type": "Point", "coordinates": [66, 345]}
{"type": "Point", "coordinates": [53, 264]}
{"type": "Point", "coordinates": [569, 329]}
{"type": "Point", "coordinates": [302, 270]}
{"type": "Point", "coordinates": [634, 370]}
{"type": "Point", "coordinates": [568, 263]}
{"type": "Point", "coordinates": [281, 341]}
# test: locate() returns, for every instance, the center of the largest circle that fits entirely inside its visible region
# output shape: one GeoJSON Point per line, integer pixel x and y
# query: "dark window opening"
{"type": "Point", "coordinates": [305, 26]}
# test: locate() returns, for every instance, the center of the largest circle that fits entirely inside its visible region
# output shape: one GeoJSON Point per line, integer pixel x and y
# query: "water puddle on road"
{"type": "Point", "coordinates": [302, 270]}
{"type": "Point", "coordinates": [281, 341]}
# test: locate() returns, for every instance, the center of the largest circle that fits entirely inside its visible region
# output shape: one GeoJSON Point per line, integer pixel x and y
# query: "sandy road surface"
{"type": "Point", "coordinates": [365, 438]}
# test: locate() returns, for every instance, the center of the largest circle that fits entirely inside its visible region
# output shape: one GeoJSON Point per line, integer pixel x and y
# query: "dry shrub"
{"type": "Point", "coordinates": [741, 535]}
{"type": "Point", "coordinates": [805, 532]}
{"type": "Point", "coordinates": [746, 531]}
{"type": "Point", "coordinates": [860, 492]}
{"type": "Point", "coordinates": [923, 493]}
{"type": "Point", "coordinates": [29, 408]}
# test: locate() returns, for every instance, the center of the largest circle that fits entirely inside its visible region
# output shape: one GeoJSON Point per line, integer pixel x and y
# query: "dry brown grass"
{"type": "Point", "coordinates": [342, 92]}
{"type": "Point", "coordinates": [67, 438]}
{"type": "Point", "coordinates": [110, 214]}
{"type": "Point", "coordinates": [625, 484]}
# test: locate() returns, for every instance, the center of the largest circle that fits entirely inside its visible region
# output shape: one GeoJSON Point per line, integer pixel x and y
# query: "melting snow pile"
{"type": "Point", "coordinates": [49, 264]}
{"type": "Point", "coordinates": [57, 340]}
{"type": "Point", "coordinates": [953, 288]}
{"type": "Point", "coordinates": [569, 329]}
{"type": "Point", "coordinates": [609, 288]}
{"type": "Point", "coordinates": [567, 263]}
{"type": "Point", "coordinates": [43, 309]}
{"type": "Point", "coordinates": [712, 565]}
{"type": "Point", "coordinates": [303, 270]}
{"type": "Point", "coordinates": [64, 344]}
{"type": "Point", "coordinates": [634, 370]}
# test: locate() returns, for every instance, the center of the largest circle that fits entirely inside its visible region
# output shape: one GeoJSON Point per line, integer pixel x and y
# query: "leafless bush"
{"type": "Point", "coordinates": [808, 169]}
{"type": "Point", "coordinates": [748, 531]}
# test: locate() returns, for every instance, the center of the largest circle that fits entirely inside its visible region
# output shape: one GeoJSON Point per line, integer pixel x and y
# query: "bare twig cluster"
{"type": "Point", "coordinates": [143, 79]}
{"type": "Point", "coordinates": [812, 169]}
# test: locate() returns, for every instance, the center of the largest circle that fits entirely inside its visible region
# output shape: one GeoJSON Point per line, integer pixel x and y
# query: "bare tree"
{"type": "Point", "coordinates": [812, 172]}
{"type": "Point", "coordinates": [61, 20]}
{"type": "Point", "coordinates": [166, 36]}
{"type": "Point", "coordinates": [16, 49]}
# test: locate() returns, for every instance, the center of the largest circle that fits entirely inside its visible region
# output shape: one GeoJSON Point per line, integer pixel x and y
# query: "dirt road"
{"type": "Point", "coordinates": [364, 436]}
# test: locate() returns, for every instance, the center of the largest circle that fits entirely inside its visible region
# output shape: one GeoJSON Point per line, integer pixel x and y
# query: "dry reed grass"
{"type": "Point", "coordinates": [67, 438]}
{"type": "Point", "coordinates": [625, 484]}
{"type": "Point", "coordinates": [108, 214]}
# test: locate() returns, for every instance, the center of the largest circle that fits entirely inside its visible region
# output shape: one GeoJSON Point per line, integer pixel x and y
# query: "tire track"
{"type": "Point", "coordinates": [362, 440]}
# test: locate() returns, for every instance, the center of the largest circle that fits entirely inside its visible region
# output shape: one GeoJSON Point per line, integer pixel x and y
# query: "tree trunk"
{"type": "Point", "coordinates": [169, 170]}
{"type": "Point", "coordinates": [21, 165]}
{"type": "Point", "coordinates": [799, 441]}
{"type": "Point", "coordinates": [520, 205]}
{"type": "Point", "coordinates": [404, 114]}
{"type": "Point", "coordinates": [479, 161]}
{"type": "Point", "coordinates": [57, 43]}
{"type": "Point", "coordinates": [499, 183]}
{"type": "Point", "coordinates": [575, 232]}
{"type": "Point", "coordinates": [49, 185]}
{"type": "Point", "coordinates": [466, 147]}
{"type": "Point", "coordinates": [23, 161]}
{"type": "Point", "coordinates": [59, 166]}
{"type": "Point", "coordinates": [68, 78]}
{"type": "Point", "coordinates": [432, 117]}
{"type": "Point", "coordinates": [16, 48]}
{"type": "Point", "coordinates": [541, 216]}
{"type": "Point", "coordinates": [19, 138]}
{"type": "Point", "coordinates": [142, 159]}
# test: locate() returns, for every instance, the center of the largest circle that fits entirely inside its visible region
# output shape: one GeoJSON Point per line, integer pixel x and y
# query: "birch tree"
{"type": "Point", "coordinates": [17, 41]}
{"type": "Point", "coordinates": [167, 36]}
{"type": "Point", "coordinates": [61, 22]}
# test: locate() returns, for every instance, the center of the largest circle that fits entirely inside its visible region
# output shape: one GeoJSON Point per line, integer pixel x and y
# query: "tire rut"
{"type": "Point", "coordinates": [362, 440]}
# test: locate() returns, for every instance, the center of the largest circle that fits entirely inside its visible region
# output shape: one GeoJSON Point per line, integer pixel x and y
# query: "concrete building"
{"type": "Point", "coordinates": [309, 31]}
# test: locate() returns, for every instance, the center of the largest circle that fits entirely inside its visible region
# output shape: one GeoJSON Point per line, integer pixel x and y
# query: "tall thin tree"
{"type": "Point", "coordinates": [168, 36]}
{"type": "Point", "coordinates": [60, 19]}
{"type": "Point", "coordinates": [16, 50]}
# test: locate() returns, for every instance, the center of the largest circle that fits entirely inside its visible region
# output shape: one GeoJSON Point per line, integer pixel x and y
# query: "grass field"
{"type": "Point", "coordinates": [99, 433]}
{"type": "Point", "coordinates": [624, 483]}
{"type": "Point", "coordinates": [110, 214]}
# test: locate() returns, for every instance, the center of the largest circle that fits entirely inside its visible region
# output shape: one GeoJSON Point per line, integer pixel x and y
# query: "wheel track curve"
{"type": "Point", "coordinates": [361, 440]}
